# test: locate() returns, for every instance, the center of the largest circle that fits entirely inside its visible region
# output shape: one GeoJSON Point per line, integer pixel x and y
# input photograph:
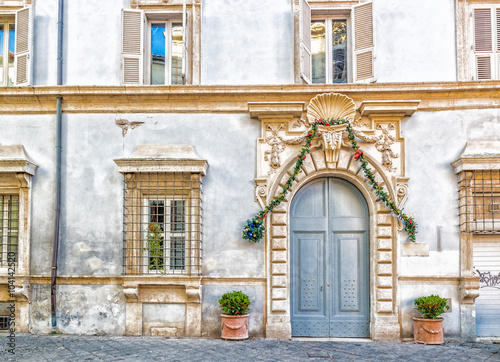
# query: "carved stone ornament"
{"type": "Point", "coordinates": [331, 140]}
{"type": "Point", "coordinates": [277, 146]}
{"type": "Point", "coordinates": [125, 125]}
{"type": "Point", "coordinates": [383, 145]}
{"type": "Point", "coordinates": [331, 106]}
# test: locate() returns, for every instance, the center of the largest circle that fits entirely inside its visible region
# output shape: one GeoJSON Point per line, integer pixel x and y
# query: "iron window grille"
{"type": "Point", "coordinates": [4, 322]}
{"type": "Point", "coordinates": [479, 201]}
{"type": "Point", "coordinates": [9, 229]}
{"type": "Point", "coordinates": [162, 223]}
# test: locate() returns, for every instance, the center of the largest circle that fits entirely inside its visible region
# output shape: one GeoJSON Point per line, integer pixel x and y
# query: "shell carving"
{"type": "Point", "coordinates": [331, 106]}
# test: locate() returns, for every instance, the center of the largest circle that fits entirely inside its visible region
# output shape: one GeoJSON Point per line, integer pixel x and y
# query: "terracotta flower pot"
{"type": "Point", "coordinates": [234, 326]}
{"type": "Point", "coordinates": [428, 331]}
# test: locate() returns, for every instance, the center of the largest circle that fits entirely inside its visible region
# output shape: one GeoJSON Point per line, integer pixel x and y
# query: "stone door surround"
{"type": "Point", "coordinates": [377, 124]}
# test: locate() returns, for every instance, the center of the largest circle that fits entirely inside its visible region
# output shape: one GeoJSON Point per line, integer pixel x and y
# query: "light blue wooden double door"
{"type": "Point", "coordinates": [329, 260]}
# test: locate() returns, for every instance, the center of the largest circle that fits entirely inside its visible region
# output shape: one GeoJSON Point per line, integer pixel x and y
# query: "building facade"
{"type": "Point", "coordinates": [137, 137]}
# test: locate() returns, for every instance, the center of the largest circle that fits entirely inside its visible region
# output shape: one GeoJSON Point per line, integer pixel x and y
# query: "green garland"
{"type": "Point", "coordinates": [254, 228]}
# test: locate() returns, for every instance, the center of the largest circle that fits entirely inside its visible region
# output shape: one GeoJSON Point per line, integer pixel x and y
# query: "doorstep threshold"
{"type": "Point", "coordinates": [327, 339]}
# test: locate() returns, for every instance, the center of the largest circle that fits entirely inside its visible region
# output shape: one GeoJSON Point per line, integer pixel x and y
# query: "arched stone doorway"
{"type": "Point", "coordinates": [329, 260]}
{"type": "Point", "coordinates": [377, 127]}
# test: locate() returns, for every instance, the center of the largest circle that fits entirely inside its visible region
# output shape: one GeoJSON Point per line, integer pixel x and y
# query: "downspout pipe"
{"type": "Point", "coordinates": [55, 247]}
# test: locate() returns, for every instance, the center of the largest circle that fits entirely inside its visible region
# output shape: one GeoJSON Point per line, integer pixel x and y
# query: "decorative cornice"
{"type": "Point", "coordinates": [479, 155]}
{"type": "Point", "coordinates": [161, 158]}
{"type": "Point", "coordinates": [276, 109]}
{"type": "Point", "coordinates": [401, 108]}
{"type": "Point", "coordinates": [13, 159]}
{"type": "Point", "coordinates": [236, 99]}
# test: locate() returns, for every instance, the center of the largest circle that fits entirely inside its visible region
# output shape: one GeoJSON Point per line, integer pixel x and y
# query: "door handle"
{"type": "Point", "coordinates": [321, 289]}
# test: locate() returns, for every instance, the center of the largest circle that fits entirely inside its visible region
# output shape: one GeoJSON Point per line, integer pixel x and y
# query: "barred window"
{"type": "Point", "coordinates": [162, 223]}
{"type": "Point", "coordinates": [479, 201]}
{"type": "Point", "coordinates": [9, 228]}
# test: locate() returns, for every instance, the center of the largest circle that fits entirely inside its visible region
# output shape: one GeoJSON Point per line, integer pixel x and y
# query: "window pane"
{"type": "Point", "coordinates": [157, 212]}
{"type": "Point", "coordinates": [177, 253]}
{"type": "Point", "coordinates": [339, 51]}
{"type": "Point", "coordinates": [158, 53]}
{"type": "Point", "coordinates": [178, 216]}
{"type": "Point", "coordinates": [155, 235]}
{"type": "Point", "coordinates": [12, 33]}
{"type": "Point", "coordinates": [318, 48]}
{"type": "Point", "coordinates": [1, 53]}
{"type": "Point", "coordinates": [9, 227]}
{"type": "Point", "coordinates": [177, 54]}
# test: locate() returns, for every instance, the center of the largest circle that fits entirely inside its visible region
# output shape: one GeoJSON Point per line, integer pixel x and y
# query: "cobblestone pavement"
{"type": "Point", "coordinates": [96, 348]}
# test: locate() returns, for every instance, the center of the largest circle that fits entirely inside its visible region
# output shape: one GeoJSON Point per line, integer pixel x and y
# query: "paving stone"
{"type": "Point", "coordinates": [108, 348]}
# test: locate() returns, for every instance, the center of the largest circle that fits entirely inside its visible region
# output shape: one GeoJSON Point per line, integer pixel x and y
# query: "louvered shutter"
{"type": "Point", "coordinates": [498, 28]}
{"type": "Point", "coordinates": [498, 41]}
{"type": "Point", "coordinates": [23, 59]}
{"type": "Point", "coordinates": [132, 46]}
{"type": "Point", "coordinates": [185, 37]}
{"type": "Point", "coordinates": [483, 44]}
{"type": "Point", "coordinates": [305, 40]}
{"type": "Point", "coordinates": [364, 49]}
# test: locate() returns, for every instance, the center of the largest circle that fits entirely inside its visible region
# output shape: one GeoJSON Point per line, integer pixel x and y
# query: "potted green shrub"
{"type": "Point", "coordinates": [429, 329]}
{"type": "Point", "coordinates": [234, 317]}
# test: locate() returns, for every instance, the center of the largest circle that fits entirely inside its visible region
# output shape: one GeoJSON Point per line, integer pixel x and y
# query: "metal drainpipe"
{"type": "Point", "coordinates": [58, 165]}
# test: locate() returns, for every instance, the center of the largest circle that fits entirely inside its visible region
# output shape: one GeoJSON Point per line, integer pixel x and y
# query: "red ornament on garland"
{"type": "Point", "coordinates": [358, 154]}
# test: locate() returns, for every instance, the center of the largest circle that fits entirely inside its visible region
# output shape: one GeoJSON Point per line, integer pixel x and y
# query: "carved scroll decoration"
{"type": "Point", "coordinates": [402, 190]}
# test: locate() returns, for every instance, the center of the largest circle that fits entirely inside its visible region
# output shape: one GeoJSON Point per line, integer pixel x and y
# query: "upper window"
{"type": "Point", "coordinates": [336, 44]}
{"type": "Point", "coordinates": [157, 43]}
{"type": "Point", "coordinates": [333, 47]}
{"type": "Point", "coordinates": [16, 40]}
{"type": "Point", "coordinates": [486, 40]}
{"type": "Point", "coordinates": [165, 53]}
{"type": "Point", "coordinates": [7, 49]}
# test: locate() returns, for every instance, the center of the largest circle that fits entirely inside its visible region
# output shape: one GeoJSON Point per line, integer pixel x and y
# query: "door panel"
{"type": "Point", "coordinates": [329, 252]}
{"type": "Point", "coordinates": [309, 309]}
{"type": "Point", "coordinates": [348, 276]}
{"type": "Point", "coordinates": [350, 310]}
{"type": "Point", "coordinates": [310, 272]}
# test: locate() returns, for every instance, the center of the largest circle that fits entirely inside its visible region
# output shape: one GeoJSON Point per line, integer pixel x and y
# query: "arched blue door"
{"type": "Point", "coordinates": [329, 260]}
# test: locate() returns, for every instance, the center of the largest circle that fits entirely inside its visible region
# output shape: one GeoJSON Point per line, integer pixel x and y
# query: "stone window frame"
{"type": "Point", "coordinates": [466, 69]}
{"type": "Point", "coordinates": [16, 173]}
{"type": "Point", "coordinates": [476, 156]}
{"type": "Point", "coordinates": [166, 11]}
{"type": "Point", "coordinates": [21, 14]}
{"type": "Point", "coordinates": [163, 288]}
{"type": "Point", "coordinates": [140, 189]}
{"type": "Point", "coordinates": [327, 8]}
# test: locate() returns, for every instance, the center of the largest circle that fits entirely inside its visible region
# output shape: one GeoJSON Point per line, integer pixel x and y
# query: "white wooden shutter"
{"type": "Point", "coordinates": [483, 43]}
{"type": "Point", "coordinates": [185, 37]}
{"type": "Point", "coordinates": [364, 49]}
{"type": "Point", "coordinates": [487, 267]}
{"type": "Point", "coordinates": [305, 40]}
{"type": "Point", "coordinates": [23, 59]}
{"type": "Point", "coordinates": [498, 28]}
{"type": "Point", "coordinates": [498, 41]}
{"type": "Point", "coordinates": [132, 46]}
